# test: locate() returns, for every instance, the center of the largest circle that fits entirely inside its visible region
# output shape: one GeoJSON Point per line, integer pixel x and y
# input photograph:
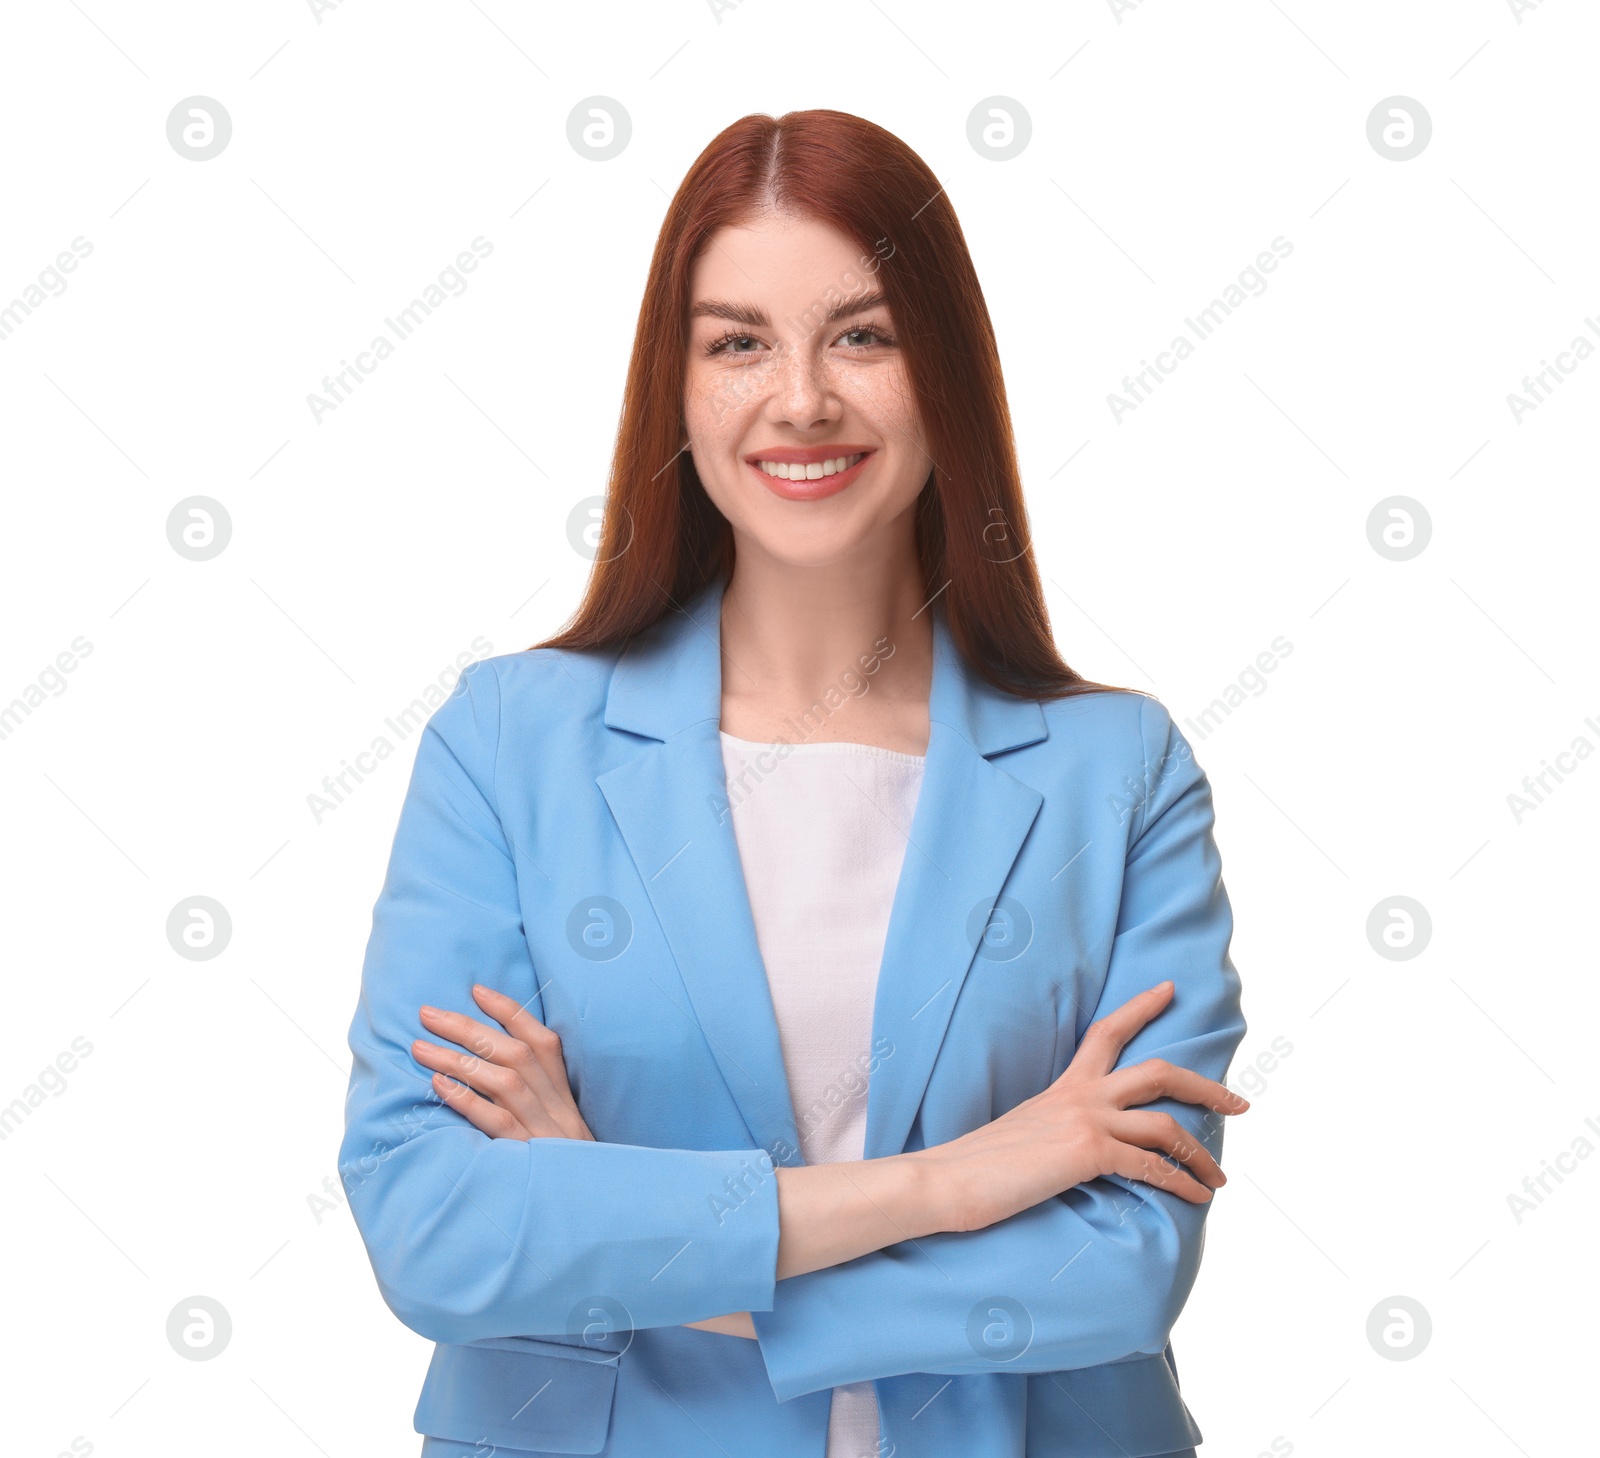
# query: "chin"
{"type": "Point", "coordinates": [801, 534]}
{"type": "Point", "coordinates": [807, 549]}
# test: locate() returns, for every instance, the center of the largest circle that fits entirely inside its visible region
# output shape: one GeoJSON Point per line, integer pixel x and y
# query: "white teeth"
{"type": "Point", "coordinates": [815, 471]}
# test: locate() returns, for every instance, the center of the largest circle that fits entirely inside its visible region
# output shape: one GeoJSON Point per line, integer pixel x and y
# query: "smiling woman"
{"type": "Point", "coordinates": [765, 1120]}
{"type": "Point", "coordinates": [840, 231]}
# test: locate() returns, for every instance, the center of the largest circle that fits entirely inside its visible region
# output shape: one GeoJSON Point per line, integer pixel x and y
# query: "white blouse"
{"type": "Point", "coordinates": [822, 831]}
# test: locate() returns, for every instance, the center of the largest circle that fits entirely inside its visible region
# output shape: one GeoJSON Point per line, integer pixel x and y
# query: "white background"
{"type": "Point", "coordinates": [1170, 145]}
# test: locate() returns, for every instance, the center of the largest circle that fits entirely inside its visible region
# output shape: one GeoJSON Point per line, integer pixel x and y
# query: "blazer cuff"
{"type": "Point", "coordinates": [799, 1335]}
{"type": "Point", "coordinates": [736, 1266]}
{"type": "Point", "coordinates": [697, 1236]}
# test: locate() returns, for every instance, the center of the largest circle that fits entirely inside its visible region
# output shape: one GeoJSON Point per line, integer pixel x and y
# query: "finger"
{"type": "Point", "coordinates": [544, 1045]}
{"type": "Point", "coordinates": [500, 1085]}
{"type": "Point", "coordinates": [542, 1041]}
{"type": "Point", "coordinates": [477, 1038]}
{"type": "Point", "coordinates": [1133, 1163]}
{"type": "Point", "coordinates": [546, 1112]}
{"type": "Point", "coordinates": [1150, 1130]}
{"type": "Point", "coordinates": [530, 1050]}
{"type": "Point", "coordinates": [494, 1121]}
{"type": "Point", "coordinates": [1097, 1054]}
{"type": "Point", "coordinates": [1156, 1078]}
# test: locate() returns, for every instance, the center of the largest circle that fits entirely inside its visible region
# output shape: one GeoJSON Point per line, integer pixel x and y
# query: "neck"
{"type": "Point", "coordinates": [856, 636]}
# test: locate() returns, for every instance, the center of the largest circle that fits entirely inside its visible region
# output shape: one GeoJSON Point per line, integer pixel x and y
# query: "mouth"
{"type": "Point", "coordinates": [809, 474]}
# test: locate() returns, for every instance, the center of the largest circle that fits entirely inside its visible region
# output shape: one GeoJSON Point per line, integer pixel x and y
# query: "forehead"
{"type": "Point", "coordinates": [777, 262]}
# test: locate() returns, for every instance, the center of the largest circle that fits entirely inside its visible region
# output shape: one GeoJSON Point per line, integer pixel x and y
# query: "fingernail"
{"type": "Point", "coordinates": [429, 1012]}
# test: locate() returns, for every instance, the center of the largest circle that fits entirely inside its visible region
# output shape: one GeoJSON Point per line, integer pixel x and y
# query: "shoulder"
{"type": "Point", "coordinates": [547, 676]}
{"type": "Point", "coordinates": [1121, 738]}
{"type": "Point", "coordinates": [1112, 721]}
{"type": "Point", "coordinates": [533, 691]}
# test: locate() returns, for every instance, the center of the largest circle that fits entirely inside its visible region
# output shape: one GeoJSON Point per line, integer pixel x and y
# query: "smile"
{"type": "Point", "coordinates": [815, 471]}
{"type": "Point", "coordinates": [809, 480]}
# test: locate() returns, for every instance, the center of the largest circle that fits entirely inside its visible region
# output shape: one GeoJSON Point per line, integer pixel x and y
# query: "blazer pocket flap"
{"type": "Point", "coordinates": [519, 1392]}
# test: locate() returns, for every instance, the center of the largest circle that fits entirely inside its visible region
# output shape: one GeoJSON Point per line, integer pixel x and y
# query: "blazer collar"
{"type": "Point", "coordinates": [669, 803]}
{"type": "Point", "coordinates": [671, 677]}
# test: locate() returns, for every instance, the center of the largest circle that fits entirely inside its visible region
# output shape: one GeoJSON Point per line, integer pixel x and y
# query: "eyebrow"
{"type": "Point", "coordinates": [757, 319]}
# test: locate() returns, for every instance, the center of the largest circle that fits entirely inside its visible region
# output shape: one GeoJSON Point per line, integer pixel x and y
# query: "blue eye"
{"type": "Point", "coordinates": [877, 334]}
{"type": "Point", "coordinates": [719, 345]}
{"type": "Point", "coordinates": [874, 337]}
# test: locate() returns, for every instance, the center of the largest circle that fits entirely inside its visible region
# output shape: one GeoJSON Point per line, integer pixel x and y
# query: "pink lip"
{"type": "Point", "coordinates": [809, 490]}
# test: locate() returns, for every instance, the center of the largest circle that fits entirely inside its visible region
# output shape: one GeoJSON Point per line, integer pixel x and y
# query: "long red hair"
{"type": "Point", "coordinates": [661, 538]}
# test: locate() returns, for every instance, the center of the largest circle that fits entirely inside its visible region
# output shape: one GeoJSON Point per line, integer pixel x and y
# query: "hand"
{"type": "Point", "coordinates": [1081, 1127]}
{"type": "Point", "coordinates": [519, 1075]}
{"type": "Point", "coordinates": [525, 1079]}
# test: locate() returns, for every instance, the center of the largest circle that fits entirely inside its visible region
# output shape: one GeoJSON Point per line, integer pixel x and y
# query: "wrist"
{"type": "Point", "coordinates": [933, 1197]}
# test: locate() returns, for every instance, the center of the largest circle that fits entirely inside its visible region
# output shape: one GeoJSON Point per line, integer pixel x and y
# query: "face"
{"type": "Point", "coordinates": [793, 372]}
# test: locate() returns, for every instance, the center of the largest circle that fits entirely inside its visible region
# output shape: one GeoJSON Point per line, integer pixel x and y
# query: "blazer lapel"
{"type": "Point", "coordinates": [970, 823]}
{"type": "Point", "coordinates": [669, 801]}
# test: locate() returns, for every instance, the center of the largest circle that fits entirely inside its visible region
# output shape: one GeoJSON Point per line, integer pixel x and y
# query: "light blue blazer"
{"type": "Point", "coordinates": [566, 838]}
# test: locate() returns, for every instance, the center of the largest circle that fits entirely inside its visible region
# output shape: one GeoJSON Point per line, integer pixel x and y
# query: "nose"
{"type": "Point", "coordinates": [800, 393]}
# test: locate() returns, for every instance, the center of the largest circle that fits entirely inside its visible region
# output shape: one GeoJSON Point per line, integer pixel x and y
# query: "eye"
{"type": "Point", "coordinates": [720, 344]}
{"type": "Point", "coordinates": [875, 336]}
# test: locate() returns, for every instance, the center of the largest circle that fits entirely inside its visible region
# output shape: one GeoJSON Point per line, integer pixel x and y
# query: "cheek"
{"type": "Point", "coordinates": [716, 401]}
{"type": "Point", "coordinates": [883, 397]}
{"type": "Point", "coordinates": [699, 406]}
{"type": "Point", "coordinates": [715, 422]}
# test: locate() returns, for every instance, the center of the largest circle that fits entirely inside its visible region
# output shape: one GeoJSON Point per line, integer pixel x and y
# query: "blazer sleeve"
{"type": "Point", "coordinates": [472, 1237]}
{"type": "Point", "coordinates": [1100, 1272]}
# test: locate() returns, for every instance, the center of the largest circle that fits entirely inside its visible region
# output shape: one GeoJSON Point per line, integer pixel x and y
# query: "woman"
{"type": "Point", "coordinates": [823, 986]}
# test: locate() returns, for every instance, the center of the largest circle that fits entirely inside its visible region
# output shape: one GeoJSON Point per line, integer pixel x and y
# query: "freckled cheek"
{"type": "Point", "coordinates": [882, 398]}
{"type": "Point", "coordinates": [716, 412]}
{"type": "Point", "coordinates": [717, 403]}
